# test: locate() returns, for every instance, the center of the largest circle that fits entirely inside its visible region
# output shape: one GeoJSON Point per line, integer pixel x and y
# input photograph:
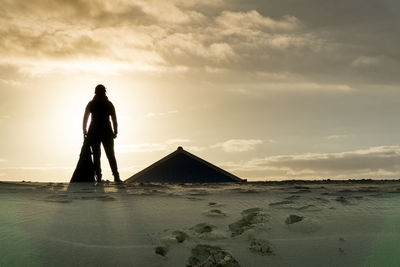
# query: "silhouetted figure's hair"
{"type": "Point", "coordinates": [100, 90]}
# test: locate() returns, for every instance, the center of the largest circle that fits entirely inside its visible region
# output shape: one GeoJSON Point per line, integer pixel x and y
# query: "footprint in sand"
{"type": "Point", "coordinates": [286, 205]}
{"type": "Point", "coordinates": [203, 228]}
{"type": "Point", "coordinates": [321, 199]}
{"type": "Point", "coordinates": [180, 236]}
{"type": "Point", "coordinates": [59, 198]}
{"type": "Point", "coordinates": [169, 241]}
{"type": "Point", "coordinates": [250, 218]}
{"type": "Point", "coordinates": [214, 213]}
{"type": "Point", "coordinates": [280, 203]}
{"type": "Point", "coordinates": [293, 219]}
{"type": "Point", "coordinates": [261, 246]}
{"type": "Point", "coordinates": [215, 204]}
{"type": "Point", "coordinates": [343, 200]}
{"type": "Point", "coordinates": [106, 198]}
{"type": "Point", "coordinates": [206, 231]}
{"type": "Point", "coordinates": [293, 197]}
{"type": "Point", "coordinates": [302, 224]}
{"type": "Point", "coordinates": [300, 191]}
{"type": "Point", "coordinates": [194, 198]}
{"type": "Point", "coordinates": [161, 250]}
{"type": "Point", "coordinates": [309, 208]}
{"type": "Point", "coordinates": [206, 255]}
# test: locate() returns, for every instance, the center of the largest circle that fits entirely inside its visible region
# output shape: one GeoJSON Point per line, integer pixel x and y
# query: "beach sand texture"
{"type": "Point", "coordinates": [253, 224]}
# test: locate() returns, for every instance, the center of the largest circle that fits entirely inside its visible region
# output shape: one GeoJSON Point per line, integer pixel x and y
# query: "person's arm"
{"type": "Point", "coordinates": [85, 120]}
{"type": "Point", "coordinates": [114, 121]}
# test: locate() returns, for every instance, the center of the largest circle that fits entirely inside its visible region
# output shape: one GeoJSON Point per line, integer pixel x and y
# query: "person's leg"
{"type": "Point", "coordinates": [108, 144]}
{"type": "Point", "coordinates": [95, 144]}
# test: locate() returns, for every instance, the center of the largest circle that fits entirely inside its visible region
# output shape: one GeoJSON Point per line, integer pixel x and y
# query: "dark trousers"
{"type": "Point", "coordinates": [108, 144]}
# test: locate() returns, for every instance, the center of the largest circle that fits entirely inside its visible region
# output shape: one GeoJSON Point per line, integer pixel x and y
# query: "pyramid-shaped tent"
{"type": "Point", "coordinates": [183, 167]}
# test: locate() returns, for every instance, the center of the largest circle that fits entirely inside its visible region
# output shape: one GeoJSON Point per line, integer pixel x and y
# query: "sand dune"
{"type": "Point", "coordinates": [260, 224]}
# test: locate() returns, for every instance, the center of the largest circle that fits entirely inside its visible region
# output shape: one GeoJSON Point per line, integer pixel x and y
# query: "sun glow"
{"type": "Point", "coordinates": [67, 117]}
{"type": "Point", "coordinates": [64, 133]}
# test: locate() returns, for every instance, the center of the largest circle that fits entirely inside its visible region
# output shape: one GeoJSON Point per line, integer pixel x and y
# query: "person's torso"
{"type": "Point", "coordinates": [101, 112]}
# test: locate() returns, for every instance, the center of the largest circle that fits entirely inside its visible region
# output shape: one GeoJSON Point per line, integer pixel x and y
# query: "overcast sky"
{"type": "Point", "coordinates": [265, 89]}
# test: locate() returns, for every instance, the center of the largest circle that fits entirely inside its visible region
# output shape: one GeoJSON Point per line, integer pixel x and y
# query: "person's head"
{"type": "Point", "coordinates": [100, 90]}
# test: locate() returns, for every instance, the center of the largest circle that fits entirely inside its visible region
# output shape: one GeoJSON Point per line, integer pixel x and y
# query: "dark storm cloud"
{"type": "Point", "coordinates": [352, 30]}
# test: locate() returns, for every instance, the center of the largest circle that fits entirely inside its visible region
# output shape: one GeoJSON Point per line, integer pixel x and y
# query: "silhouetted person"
{"type": "Point", "coordinates": [100, 130]}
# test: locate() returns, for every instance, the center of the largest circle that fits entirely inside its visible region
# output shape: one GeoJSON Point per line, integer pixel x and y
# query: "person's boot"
{"type": "Point", "coordinates": [98, 178]}
{"type": "Point", "coordinates": [117, 179]}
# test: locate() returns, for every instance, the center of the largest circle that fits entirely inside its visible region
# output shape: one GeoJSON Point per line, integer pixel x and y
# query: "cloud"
{"type": "Point", "coordinates": [177, 141]}
{"type": "Point", "coordinates": [290, 85]}
{"type": "Point", "coordinates": [3, 119]}
{"type": "Point", "coordinates": [239, 145]}
{"type": "Point", "coordinates": [108, 37]}
{"type": "Point", "coordinates": [168, 145]}
{"type": "Point", "coordinates": [169, 112]}
{"type": "Point", "coordinates": [365, 61]}
{"type": "Point", "coordinates": [189, 48]}
{"type": "Point", "coordinates": [338, 136]}
{"type": "Point", "coordinates": [12, 82]}
{"type": "Point", "coordinates": [230, 146]}
{"type": "Point", "coordinates": [64, 35]}
{"type": "Point", "coordinates": [243, 22]}
{"type": "Point", "coordinates": [194, 148]}
{"type": "Point", "coordinates": [119, 36]}
{"type": "Point", "coordinates": [375, 162]}
{"type": "Point", "coordinates": [129, 148]}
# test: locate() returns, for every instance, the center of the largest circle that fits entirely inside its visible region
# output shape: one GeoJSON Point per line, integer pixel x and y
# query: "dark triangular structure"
{"type": "Point", "coordinates": [183, 167]}
{"type": "Point", "coordinates": [84, 171]}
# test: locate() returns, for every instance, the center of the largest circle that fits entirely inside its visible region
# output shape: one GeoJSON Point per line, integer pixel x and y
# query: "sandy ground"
{"type": "Point", "coordinates": [345, 224]}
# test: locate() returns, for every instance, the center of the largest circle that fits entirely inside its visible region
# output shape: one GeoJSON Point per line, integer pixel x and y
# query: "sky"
{"type": "Point", "coordinates": [268, 90]}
